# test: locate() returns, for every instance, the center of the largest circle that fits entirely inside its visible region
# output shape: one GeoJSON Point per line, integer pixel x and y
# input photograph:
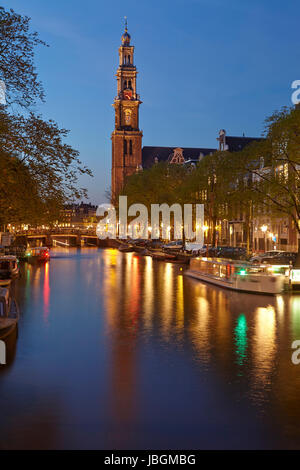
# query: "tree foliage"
{"type": "Point", "coordinates": [17, 205]}
{"type": "Point", "coordinates": [43, 169]}
{"type": "Point", "coordinates": [39, 145]}
{"type": "Point", "coordinates": [17, 69]}
{"type": "Point", "coordinates": [162, 183]}
{"type": "Point", "coordinates": [274, 165]}
{"type": "Point", "coordinates": [261, 179]}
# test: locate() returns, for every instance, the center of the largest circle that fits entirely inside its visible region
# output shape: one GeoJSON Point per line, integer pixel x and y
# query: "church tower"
{"type": "Point", "coordinates": [126, 137]}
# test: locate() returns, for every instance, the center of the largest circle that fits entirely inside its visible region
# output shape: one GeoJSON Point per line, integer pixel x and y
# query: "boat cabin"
{"type": "Point", "coordinates": [8, 265]}
{"type": "Point", "coordinates": [237, 275]}
{"type": "Point", "coordinates": [41, 253]}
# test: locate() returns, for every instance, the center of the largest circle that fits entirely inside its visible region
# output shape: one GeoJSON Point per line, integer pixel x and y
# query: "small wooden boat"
{"type": "Point", "coordinates": [138, 249]}
{"type": "Point", "coordinates": [9, 268]}
{"type": "Point", "coordinates": [9, 314]}
{"type": "Point", "coordinates": [185, 258]}
{"type": "Point", "coordinates": [161, 256]}
{"type": "Point", "coordinates": [236, 275]}
{"type": "Point", "coordinates": [5, 282]}
{"type": "Point", "coordinates": [170, 256]}
{"type": "Point", "coordinates": [125, 248]}
{"type": "Point", "coordinates": [37, 254]}
{"type": "Point", "coordinates": [155, 245]}
{"type": "Point", "coordinates": [146, 252]}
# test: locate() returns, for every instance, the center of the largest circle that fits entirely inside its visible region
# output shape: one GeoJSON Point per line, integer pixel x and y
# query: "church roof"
{"type": "Point", "coordinates": [163, 154]}
{"type": "Point", "coordinates": [236, 144]}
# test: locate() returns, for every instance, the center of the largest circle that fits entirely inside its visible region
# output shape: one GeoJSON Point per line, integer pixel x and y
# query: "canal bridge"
{"type": "Point", "coordinates": [62, 237]}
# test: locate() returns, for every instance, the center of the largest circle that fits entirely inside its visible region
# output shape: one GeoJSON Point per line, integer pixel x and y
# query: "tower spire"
{"type": "Point", "coordinates": [126, 137]}
{"type": "Point", "coordinates": [126, 36]}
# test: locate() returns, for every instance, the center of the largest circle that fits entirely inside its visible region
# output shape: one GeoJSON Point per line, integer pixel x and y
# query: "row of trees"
{"type": "Point", "coordinates": [38, 170]}
{"type": "Point", "coordinates": [261, 178]}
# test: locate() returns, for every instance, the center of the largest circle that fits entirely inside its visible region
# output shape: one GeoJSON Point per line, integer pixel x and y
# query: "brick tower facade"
{"type": "Point", "coordinates": [126, 137]}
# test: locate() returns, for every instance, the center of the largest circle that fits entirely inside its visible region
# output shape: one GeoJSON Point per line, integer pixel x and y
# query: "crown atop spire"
{"type": "Point", "coordinates": [126, 36]}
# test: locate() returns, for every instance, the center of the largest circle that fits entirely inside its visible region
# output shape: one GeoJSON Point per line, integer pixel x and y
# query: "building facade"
{"type": "Point", "coordinates": [128, 156]}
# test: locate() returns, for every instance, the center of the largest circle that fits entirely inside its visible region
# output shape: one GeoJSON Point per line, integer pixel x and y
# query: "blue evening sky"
{"type": "Point", "coordinates": [203, 65]}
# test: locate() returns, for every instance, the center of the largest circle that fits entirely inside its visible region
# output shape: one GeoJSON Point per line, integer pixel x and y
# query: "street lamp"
{"type": "Point", "coordinates": [264, 228]}
{"type": "Point", "coordinates": [205, 229]}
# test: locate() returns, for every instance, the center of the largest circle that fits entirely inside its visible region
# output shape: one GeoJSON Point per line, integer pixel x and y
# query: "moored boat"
{"type": "Point", "coordinates": [6, 281]}
{"type": "Point", "coordinates": [9, 268]}
{"type": "Point", "coordinates": [9, 314]}
{"type": "Point", "coordinates": [37, 254]}
{"type": "Point", "coordinates": [162, 256]}
{"type": "Point", "coordinates": [125, 248]}
{"type": "Point", "coordinates": [236, 275]}
{"type": "Point", "coordinates": [138, 249]}
{"type": "Point", "coordinates": [185, 258]}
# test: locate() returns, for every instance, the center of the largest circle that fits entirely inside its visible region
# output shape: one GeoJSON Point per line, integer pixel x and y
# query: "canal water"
{"type": "Point", "coordinates": [117, 351]}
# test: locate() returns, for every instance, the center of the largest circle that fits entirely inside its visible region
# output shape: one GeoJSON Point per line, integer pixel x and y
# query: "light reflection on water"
{"type": "Point", "coordinates": [120, 351]}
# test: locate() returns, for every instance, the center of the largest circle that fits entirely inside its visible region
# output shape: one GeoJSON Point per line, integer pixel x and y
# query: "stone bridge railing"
{"type": "Point", "coordinates": [78, 237]}
{"type": "Point", "coordinates": [56, 231]}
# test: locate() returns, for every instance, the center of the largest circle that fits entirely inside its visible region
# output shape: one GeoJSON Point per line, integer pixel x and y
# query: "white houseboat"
{"type": "Point", "coordinates": [236, 275]}
{"type": "Point", "coordinates": [290, 273]}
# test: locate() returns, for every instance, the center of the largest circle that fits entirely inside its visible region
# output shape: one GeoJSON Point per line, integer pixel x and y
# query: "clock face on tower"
{"type": "Point", "coordinates": [127, 117]}
{"type": "Point", "coordinates": [127, 94]}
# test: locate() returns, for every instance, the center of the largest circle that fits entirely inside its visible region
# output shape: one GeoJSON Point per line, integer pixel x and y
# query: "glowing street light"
{"type": "Point", "coordinates": [264, 228]}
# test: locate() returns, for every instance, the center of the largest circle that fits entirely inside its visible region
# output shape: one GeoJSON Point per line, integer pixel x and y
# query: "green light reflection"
{"type": "Point", "coordinates": [241, 342]}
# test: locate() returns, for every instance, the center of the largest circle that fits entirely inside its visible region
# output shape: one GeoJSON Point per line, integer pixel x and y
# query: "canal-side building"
{"type": "Point", "coordinates": [78, 214]}
{"type": "Point", "coordinates": [129, 156]}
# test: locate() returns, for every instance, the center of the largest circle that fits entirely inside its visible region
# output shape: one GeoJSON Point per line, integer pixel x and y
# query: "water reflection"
{"type": "Point", "coordinates": [144, 347]}
{"type": "Point", "coordinates": [46, 291]}
{"type": "Point", "coordinates": [200, 329]}
{"type": "Point", "coordinates": [295, 309]}
{"type": "Point", "coordinates": [264, 346]}
{"type": "Point", "coordinates": [148, 293]}
{"type": "Point", "coordinates": [241, 340]}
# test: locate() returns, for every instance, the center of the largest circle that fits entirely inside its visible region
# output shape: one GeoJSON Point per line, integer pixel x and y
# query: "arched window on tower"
{"type": "Point", "coordinates": [125, 147]}
{"type": "Point", "coordinates": [129, 59]}
{"type": "Point", "coordinates": [129, 84]}
{"type": "Point", "coordinates": [125, 84]}
{"type": "Point", "coordinates": [130, 147]}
